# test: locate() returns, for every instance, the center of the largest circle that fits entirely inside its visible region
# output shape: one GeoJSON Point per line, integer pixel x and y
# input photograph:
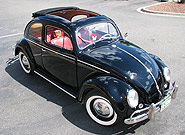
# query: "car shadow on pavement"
{"type": "Point", "coordinates": [73, 111]}
{"type": "Point", "coordinates": [80, 118]}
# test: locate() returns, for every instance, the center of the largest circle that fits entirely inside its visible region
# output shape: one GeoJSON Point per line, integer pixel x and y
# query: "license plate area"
{"type": "Point", "coordinates": [165, 103]}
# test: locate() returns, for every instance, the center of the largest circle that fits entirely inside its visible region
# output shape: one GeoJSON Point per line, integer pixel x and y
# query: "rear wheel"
{"type": "Point", "coordinates": [100, 109]}
{"type": "Point", "coordinates": [25, 63]}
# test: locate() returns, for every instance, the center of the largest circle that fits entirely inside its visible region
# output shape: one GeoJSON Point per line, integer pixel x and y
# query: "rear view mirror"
{"type": "Point", "coordinates": [126, 35]}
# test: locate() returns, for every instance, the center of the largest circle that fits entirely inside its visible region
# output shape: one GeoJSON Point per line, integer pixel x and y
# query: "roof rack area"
{"type": "Point", "coordinates": [65, 12]}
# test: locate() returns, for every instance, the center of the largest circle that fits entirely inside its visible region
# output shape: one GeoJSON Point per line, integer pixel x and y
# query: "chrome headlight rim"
{"type": "Point", "coordinates": [166, 73]}
{"type": "Point", "coordinates": [132, 98]}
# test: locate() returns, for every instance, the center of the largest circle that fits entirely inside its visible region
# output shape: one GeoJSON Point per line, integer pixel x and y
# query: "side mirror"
{"type": "Point", "coordinates": [126, 35]}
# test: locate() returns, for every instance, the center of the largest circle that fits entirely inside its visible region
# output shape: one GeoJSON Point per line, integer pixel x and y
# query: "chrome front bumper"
{"type": "Point", "coordinates": [148, 112]}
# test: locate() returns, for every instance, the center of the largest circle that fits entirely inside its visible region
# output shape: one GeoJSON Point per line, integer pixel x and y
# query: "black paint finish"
{"type": "Point", "coordinates": [114, 66]}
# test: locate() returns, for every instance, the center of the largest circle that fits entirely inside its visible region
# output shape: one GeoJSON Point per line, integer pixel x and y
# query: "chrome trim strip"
{"type": "Point", "coordinates": [153, 108]}
{"type": "Point", "coordinates": [144, 66]}
{"type": "Point", "coordinates": [55, 84]}
{"type": "Point", "coordinates": [43, 47]}
{"type": "Point", "coordinates": [94, 66]}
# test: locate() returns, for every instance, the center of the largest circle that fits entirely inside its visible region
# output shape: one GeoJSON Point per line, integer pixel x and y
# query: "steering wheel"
{"type": "Point", "coordinates": [105, 36]}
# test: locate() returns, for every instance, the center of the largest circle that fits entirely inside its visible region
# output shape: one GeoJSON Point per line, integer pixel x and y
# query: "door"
{"type": "Point", "coordinates": [58, 56]}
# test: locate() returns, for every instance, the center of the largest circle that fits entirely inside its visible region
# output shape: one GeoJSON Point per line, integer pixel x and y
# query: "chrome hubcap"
{"type": "Point", "coordinates": [103, 108]}
{"type": "Point", "coordinates": [100, 110]}
{"type": "Point", "coordinates": [24, 62]}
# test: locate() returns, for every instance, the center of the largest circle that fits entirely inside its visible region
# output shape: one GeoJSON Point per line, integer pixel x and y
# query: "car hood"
{"type": "Point", "coordinates": [129, 61]}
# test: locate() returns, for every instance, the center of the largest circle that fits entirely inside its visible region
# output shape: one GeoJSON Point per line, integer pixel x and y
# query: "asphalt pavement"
{"type": "Point", "coordinates": [30, 105]}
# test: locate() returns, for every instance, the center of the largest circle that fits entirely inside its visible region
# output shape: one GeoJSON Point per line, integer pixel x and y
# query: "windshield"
{"type": "Point", "coordinates": [94, 33]}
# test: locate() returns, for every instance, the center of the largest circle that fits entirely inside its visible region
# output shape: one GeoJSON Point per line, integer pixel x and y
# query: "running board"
{"type": "Point", "coordinates": [52, 82]}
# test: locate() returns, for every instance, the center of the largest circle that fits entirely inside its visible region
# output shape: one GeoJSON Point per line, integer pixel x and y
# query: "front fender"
{"type": "Point", "coordinates": [161, 65]}
{"type": "Point", "coordinates": [159, 62]}
{"type": "Point", "coordinates": [24, 46]}
{"type": "Point", "coordinates": [115, 89]}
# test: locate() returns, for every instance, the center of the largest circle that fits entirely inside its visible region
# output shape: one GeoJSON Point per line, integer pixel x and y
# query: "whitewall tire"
{"type": "Point", "coordinates": [100, 109]}
{"type": "Point", "coordinates": [25, 63]}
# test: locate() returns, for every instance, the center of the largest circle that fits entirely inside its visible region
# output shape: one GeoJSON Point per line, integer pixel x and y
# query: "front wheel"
{"type": "Point", "coordinates": [100, 109]}
{"type": "Point", "coordinates": [25, 63]}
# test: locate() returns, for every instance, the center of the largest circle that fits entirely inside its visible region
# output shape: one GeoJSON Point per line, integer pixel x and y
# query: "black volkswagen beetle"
{"type": "Point", "coordinates": [84, 54]}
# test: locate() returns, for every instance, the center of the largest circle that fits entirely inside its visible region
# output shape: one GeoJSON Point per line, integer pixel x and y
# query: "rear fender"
{"type": "Point", "coordinates": [115, 89]}
{"type": "Point", "coordinates": [24, 46]}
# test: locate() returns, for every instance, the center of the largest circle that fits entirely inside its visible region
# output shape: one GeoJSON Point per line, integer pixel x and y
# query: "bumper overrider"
{"type": "Point", "coordinates": [148, 112]}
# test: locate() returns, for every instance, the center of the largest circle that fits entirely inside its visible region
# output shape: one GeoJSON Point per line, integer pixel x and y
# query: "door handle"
{"type": "Point", "coordinates": [43, 49]}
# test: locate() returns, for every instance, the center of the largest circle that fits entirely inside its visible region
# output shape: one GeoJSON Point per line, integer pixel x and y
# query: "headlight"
{"type": "Point", "coordinates": [166, 72]}
{"type": "Point", "coordinates": [132, 98]}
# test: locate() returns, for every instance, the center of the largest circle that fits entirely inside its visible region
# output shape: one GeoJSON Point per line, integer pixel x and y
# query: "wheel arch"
{"type": "Point", "coordinates": [24, 46]}
{"type": "Point", "coordinates": [114, 88]}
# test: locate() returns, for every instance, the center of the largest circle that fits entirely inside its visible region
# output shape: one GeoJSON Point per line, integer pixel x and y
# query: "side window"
{"type": "Point", "coordinates": [58, 37]}
{"type": "Point", "coordinates": [36, 30]}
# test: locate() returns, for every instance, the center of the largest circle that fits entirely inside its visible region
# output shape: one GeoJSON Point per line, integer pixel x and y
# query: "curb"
{"type": "Point", "coordinates": [144, 9]}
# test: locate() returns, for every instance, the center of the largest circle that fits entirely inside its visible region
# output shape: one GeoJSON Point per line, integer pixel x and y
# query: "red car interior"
{"type": "Point", "coordinates": [37, 35]}
{"type": "Point", "coordinates": [62, 41]}
{"type": "Point", "coordinates": [69, 14]}
{"type": "Point", "coordinates": [86, 35]}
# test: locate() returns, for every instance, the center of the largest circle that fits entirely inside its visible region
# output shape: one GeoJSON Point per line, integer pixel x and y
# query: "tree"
{"type": "Point", "coordinates": [181, 1]}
